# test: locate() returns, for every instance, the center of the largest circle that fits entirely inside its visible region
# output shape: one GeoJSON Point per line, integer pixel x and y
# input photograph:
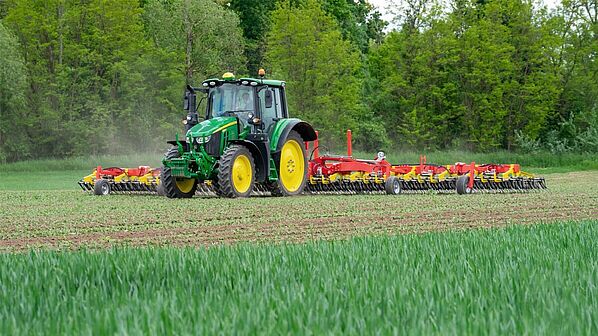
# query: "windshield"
{"type": "Point", "coordinates": [231, 99]}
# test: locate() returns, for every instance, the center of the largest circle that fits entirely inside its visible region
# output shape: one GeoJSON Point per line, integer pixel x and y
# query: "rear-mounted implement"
{"type": "Point", "coordinates": [345, 174]}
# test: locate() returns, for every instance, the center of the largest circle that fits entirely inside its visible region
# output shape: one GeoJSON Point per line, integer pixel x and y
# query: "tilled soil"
{"type": "Point", "coordinates": [70, 219]}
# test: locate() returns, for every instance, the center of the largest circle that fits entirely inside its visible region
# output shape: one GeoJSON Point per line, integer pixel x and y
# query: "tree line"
{"type": "Point", "coordinates": [107, 76]}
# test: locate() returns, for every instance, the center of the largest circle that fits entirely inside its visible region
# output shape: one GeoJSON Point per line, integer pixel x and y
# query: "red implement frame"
{"type": "Point", "coordinates": [328, 164]}
{"type": "Point", "coordinates": [116, 171]}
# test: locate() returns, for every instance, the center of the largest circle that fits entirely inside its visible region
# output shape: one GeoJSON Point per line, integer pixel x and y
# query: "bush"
{"type": "Point", "coordinates": [574, 134]}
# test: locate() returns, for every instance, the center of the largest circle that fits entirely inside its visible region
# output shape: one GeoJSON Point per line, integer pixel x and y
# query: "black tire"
{"type": "Point", "coordinates": [169, 183]}
{"type": "Point", "coordinates": [216, 187]}
{"type": "Point", "coordinates": [277, 188]}
{"type": "Point", "coordinates": [274, 189]}
{"type": "Point", "coordinates": [160, 190]}
{"type": "Point", "coordinates": [462, 185]}
{"type": "Point", "coordinates": [392, 185]}
{"type": "Point", "coordinates": [101, 187]}
{"type": "Point", "coordinates": [226, 186]}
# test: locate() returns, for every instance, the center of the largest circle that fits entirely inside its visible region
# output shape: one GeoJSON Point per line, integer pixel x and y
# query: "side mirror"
{"type": "Point", "coordinates": [268, 98]}
{"type": "Point", "coordinates": [189, 102]}
{"type": "Point", "coordinates": [186, 102]}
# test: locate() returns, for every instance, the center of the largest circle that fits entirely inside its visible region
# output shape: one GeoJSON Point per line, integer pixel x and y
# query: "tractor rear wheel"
{"type": "Point", "coordinates": [236, 172]}
{"type": "Point", "coordinates": [463, 185]}
{"type": "Point", "coordinates": [176, 187]}
{"type": "Point", "coordinates": [292, 167]}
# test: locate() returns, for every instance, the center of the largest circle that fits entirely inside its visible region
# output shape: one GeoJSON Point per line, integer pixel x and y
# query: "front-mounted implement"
{"type": "Point", "coordinates": [103, 181]}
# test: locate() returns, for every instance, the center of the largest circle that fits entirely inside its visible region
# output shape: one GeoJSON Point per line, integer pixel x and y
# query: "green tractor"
{"type": "Point", "coordinates": [246, 139]}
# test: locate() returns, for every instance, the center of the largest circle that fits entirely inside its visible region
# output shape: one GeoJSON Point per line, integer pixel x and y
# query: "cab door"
{"type": "Point", "coordinates": [271, 106]}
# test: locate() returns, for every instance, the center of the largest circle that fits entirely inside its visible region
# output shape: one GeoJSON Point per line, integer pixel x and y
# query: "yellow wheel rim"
{"type": "Point", "coordinates": [185, 185]}
{"type": "Point", "coordinates": [292, 166]}
{"type": "Point", "coordinates": [242, 174]}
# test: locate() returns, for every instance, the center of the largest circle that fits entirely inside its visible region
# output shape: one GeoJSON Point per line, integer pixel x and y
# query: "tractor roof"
{"type": "Point", "coordinates": [270, 82]}
{"type": "Point", "coordinates": [229, 78]}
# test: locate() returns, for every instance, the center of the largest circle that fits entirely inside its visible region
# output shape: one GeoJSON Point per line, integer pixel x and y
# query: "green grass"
{"type": "Point", "coordinates": [520, 280]}
{"type": "Point", "coordinates": [63, 174]}
{"type": "Point", "coordinates": [51, 180]}
{"type": "Point", "coordinates": [564, 162]}
{"type": "Point", "coordinates": [86, 163]}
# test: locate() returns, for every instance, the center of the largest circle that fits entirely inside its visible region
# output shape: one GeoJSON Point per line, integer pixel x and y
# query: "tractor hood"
{"type": "Point", "coordinates": [211, 126]}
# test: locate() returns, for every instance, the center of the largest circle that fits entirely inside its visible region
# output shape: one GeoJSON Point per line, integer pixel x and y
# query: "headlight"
{"type": "Point", "coordinates": [201, 140]}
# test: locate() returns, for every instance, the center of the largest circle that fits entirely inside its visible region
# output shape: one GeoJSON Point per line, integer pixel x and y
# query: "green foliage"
{"type": "Point", "coordinates": [306, 48]}
{"type": "Point", "coordinates": [255, 19]}
{"type": "Point", "coordinates": [575, 29]}
{"type": "Point", "coordinates": [358, 20]}
{"type": "Point", "coordinates": [203, 33]}
{"type": "Point", "coordinates": [106, 76]}
{"type": "Point", "coordinates": [472, 80]}
{"type": "Point", "coordinates": [14, 143]}
{"type": "Point", "coordinates": [518, 280]}
{"type": "Point", "coordinates": [567, 137]}
{"type": "Point", "coordinates": [85, 61]}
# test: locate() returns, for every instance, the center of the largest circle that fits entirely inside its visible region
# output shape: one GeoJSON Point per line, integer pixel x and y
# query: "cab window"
{"type": "Point", "coordinates": [231, 98]}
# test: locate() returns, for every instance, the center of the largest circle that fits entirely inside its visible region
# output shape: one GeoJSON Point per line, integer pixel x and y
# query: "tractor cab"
{"type": "Point", "coordinates": [257, 103]}
{"type": "Point", "coordinates": [245, 139]}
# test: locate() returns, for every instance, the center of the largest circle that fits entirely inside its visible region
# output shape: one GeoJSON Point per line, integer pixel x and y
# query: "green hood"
{"type": "Point", "coordinates": [211, 126]}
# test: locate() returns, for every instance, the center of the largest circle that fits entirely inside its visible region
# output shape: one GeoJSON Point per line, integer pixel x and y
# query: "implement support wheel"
{"type": "Point", "coordinates": [392, 185]}
{"type": "Point", "coordinates": [236, 172]}
{"type": "Point", "coordinates": [176, 187]}
{"type": "Point", "coordinates": [292, 167]}
{"type": "Point", "coordinates": [101, 187]}
{"type": "Point", "coordinates": [462, 185]}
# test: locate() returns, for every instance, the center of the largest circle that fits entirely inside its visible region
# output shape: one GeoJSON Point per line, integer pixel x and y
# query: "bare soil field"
{"type": "Point", "coordinates": [66, 219]}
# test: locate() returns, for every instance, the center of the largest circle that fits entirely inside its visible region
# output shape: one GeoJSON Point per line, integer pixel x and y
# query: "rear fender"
{"type": "Point", "coordinates": [282, 130]}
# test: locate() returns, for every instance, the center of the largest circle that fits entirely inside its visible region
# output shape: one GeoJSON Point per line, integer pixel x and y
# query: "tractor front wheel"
{"type": "Point", "coordinates": [292, 167]}
{"type": "Point", "coordinates": [236, 172]}
{"type": "Point", "coordinates": [176, 187]}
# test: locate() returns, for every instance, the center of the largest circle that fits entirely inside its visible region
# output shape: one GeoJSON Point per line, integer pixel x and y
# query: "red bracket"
{"type": "Point", "coordinates": [349, 145]}
{"type": "Point", "coordinates": [317, 146]}
{"type": "Point", "coordinates": [471, 175]}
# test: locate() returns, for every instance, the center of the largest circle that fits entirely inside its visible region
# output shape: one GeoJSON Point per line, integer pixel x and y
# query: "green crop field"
{"type": "Point", "coordinates": [74, 263]}
{"type": "Point", "coordinates": [520, 280]}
